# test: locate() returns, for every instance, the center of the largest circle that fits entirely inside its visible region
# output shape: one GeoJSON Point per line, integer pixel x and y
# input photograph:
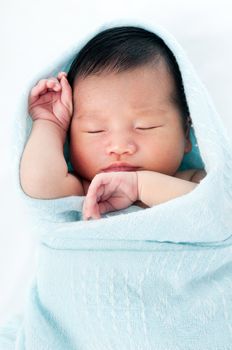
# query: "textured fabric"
{"type": "Point", "coordinates": [139, 279]}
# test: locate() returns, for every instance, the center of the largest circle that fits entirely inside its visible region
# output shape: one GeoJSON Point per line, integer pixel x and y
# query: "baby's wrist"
{"type": "Point", "coordinates": [51, 126]}
{"type": "Point", "coordinates": [55, 123]}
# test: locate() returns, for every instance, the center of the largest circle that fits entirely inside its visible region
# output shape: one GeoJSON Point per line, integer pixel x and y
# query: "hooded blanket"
{"type": "Point", "coordinates": [142, 279]}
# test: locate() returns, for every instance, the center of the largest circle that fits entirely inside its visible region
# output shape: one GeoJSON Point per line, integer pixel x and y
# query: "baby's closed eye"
{"type": "Point", "coordinates": [148, 128]}
{"type": "Point", "coordinates": [94, 131]}
{"type": "Point", "coordinates": [137, 128]}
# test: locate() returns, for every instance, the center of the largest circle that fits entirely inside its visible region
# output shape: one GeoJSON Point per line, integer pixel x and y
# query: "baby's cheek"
{"type": "Point", "coordinates": [86, 157]}
{"type": "Point", "coordinates": [161, 157]}
{"type": "Point", "coordinates": [171, 162]}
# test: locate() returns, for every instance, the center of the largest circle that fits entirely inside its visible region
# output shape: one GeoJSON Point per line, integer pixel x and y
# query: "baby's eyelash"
{"type": "Point", "coordinates": [94, 132]}
{"type": "Point", "coordinates": [152, 127]}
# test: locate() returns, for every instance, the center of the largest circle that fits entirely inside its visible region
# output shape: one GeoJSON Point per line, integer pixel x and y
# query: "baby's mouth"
{"type": "Point", "coordinates": [120, 167]}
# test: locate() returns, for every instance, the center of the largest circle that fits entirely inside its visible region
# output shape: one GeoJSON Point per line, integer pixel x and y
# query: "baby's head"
{"type": "Point", "coordinates": [129, 104]}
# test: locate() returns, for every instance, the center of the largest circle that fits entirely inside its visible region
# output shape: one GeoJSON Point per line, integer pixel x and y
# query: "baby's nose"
{"type": "Point", "coordinates": [120, 146]}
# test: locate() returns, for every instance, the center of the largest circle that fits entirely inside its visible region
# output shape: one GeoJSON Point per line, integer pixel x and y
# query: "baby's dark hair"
{"type": "Point", "coordinates": [123, 48]}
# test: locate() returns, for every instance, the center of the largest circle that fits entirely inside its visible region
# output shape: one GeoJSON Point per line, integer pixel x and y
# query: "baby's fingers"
{"type": "Point", "coordinates": [92, 202]}
{"type": "Point", "coordinates": [53, 84]}
{"type": "Point", "coordinates": [90, 210]}
{"type": "Point", "coordinates": [93, 213]}
{"type": "Point", "coordinates": [66, 96]}
{"type": "Point", "coordinates": [62, 74]}
{"type": "Point", "coordinates": [39, 88]}
{"type": "Point", "coordinates": [42, 87]}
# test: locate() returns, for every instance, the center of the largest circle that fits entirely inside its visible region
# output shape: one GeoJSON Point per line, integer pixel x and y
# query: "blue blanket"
{"type": "Point", "coordinates": [153, 279]}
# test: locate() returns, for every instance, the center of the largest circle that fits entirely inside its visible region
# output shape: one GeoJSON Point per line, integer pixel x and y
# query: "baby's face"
{"type": "Point", "coordinates": [126, 117]}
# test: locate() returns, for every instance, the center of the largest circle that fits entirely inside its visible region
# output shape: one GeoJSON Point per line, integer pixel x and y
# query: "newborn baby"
{"type": "Point", "coordinates": [123, 108]}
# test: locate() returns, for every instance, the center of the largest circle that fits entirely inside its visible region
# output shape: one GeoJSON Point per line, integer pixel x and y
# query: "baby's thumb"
{"type": "Point", "coordinates": [66, 94]}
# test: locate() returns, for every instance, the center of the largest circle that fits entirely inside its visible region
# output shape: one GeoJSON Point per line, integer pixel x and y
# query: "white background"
{"type": "Point", "coordinates": [33, 34]}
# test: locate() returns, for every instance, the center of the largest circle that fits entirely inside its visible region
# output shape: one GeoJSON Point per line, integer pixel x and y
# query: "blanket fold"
{"type": "Point", "coordinates": [153, 279]}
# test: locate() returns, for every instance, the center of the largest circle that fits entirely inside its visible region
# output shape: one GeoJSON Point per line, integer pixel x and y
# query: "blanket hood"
{"type": "Point", "coordinates": [202, 216]}
{"type": "Point", "coordinates": [156, 278]}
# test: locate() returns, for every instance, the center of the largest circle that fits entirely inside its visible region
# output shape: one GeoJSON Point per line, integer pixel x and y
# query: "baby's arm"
{"type": "Point", "coordinates": [118, 190]}
{"type": "Point", "coordinates": [155, 188]}
{"type": "Point", "coordinates": [43, 169]}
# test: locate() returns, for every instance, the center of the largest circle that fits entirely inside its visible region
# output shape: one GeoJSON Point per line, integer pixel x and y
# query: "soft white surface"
{"type": "Point", "coordinates": [34, 34]}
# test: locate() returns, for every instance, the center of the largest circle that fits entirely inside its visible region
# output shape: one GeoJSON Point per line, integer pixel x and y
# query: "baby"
{"type": "Point", "coordinates": [123, 108]}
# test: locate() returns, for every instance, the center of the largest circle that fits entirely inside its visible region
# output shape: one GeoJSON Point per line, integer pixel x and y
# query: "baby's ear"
{"type": "Point", "coordinates": [188, 145]}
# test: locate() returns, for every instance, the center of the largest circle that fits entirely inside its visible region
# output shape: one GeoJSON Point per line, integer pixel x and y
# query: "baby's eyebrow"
{"type": "Point", "coordinates": [140, 112]}
{"type": "Point", "coordinates": [148, 111]}
{"type": "Point", "coordinates": [90, 116]}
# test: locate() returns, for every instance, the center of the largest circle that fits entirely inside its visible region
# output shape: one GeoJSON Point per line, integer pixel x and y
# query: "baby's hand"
{"type": "Point", "coordinates": [109, 192]}
{"type": "Point", "coordinates": [51, 99]}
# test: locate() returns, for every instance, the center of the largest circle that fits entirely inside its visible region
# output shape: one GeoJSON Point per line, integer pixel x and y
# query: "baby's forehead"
{"type": "Point", "coordinates": [163, 75]}
{"type": "Point", "coordinates": [131, 92]}
{"type": "Point", "coordinates": [110, 72]}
